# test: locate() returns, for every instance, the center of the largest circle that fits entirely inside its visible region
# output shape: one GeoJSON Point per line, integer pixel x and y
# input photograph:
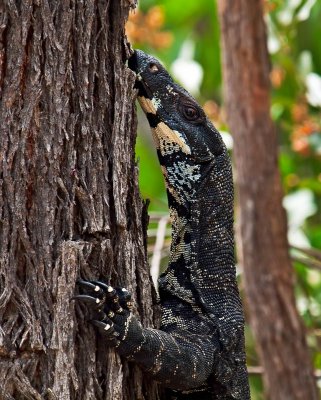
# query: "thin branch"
{"type": "Point", "coordinates": [309, 263]}
{"type": "Point", "coordinates": [311, 252]}
{"type": "Point", "coordinates": [258, 370]}
{"type": "Point", "coordinates": [157, 253]}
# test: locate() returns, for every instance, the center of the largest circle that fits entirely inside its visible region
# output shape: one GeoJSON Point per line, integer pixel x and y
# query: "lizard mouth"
{"type": "Point", "coordinates": [143, 89]}
{"type": "Point", "coordinates": [140, 84]}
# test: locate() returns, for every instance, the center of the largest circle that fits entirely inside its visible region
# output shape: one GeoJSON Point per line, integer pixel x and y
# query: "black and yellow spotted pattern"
{"type": "Point", "coordinates": [200, 347]}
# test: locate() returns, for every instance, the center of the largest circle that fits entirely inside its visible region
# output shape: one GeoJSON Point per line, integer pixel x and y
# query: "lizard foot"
{"type": "Point", "coordinates": [110, 306]}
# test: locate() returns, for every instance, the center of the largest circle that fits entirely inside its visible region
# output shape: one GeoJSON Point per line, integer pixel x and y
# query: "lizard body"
{"type": "Point", "coordinates": [198, 352]}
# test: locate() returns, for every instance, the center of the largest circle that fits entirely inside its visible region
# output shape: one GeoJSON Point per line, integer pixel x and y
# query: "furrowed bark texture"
{"type": "Point", "coordinates": [69, 201]}
{"type": "Point", "coordinates": [263, 248]}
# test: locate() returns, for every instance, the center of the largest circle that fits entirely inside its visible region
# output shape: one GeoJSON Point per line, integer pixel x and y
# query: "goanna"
{"type": "Point", "coordinates": [198, 352]}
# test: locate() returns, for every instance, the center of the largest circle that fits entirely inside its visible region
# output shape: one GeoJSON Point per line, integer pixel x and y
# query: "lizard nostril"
{"type": "Point", "coordinates": [153, 67]}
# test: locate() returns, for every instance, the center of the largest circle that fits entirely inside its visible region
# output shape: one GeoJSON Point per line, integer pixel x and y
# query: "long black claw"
{"type": "Point", "coordinates": [102, 285]}
{"type": "Point", "coordinates": [90, 285]}
{"type": "Point", "coordinates": [107, 327]}
{"type": "Point", "coordinates": [87, 299]}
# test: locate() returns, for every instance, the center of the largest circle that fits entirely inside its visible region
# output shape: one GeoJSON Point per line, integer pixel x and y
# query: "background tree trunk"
{"type": "Point", "coordinates": [263, 248]}
{"type": "Point", "coordinates": [69, 200]}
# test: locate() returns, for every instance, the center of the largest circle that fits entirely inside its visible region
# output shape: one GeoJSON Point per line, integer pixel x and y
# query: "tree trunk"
{"type": "Point", "coordinates": [263, 248]}
{"type": "Point", "coordinates": [69, 199]}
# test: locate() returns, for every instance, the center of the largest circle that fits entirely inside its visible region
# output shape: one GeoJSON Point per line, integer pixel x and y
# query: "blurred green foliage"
{"type": "Point", "coordinates": [294, 32]}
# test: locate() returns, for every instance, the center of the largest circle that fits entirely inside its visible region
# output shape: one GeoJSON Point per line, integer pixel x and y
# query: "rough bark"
{"type": "Point", "coordinates": [263, 248]}
{"type": "Point", "coordinates": [69, 201]}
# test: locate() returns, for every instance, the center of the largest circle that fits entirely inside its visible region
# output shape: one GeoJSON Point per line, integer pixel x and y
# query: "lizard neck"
{"type": "Point", "coordinates": [202, 248]}
{"type": "Point", "coordinates": [203, 225]}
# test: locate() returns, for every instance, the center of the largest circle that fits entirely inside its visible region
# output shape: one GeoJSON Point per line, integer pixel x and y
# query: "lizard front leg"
{"type": "Point", "coordinates": [180, 360]}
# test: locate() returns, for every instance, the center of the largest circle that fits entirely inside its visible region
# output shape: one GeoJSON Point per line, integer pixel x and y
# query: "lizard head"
{"type": "Point", "coordinates": [186, 140]}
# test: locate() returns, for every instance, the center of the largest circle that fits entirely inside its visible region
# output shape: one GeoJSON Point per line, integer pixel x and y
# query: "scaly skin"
{"type": "Point", "coordinates": [198, 352]}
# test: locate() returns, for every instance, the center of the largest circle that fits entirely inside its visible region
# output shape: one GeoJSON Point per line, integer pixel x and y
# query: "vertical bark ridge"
{"type": "Point", "coordinates": [263, 247]}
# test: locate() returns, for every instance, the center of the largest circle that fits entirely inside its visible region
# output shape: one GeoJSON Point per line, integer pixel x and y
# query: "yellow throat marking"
{"type": "Point", "coordinates": [169, 140]}
{"type": "Point", "coordinates": [147, 105]}
{"type": "Point", "coordinates": [166, 139]}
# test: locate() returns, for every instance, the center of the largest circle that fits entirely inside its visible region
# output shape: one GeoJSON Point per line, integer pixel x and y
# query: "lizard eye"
{"type": "Point", "coordinates": [153, 67]}
{"type": "Point", "coordinates": [190, 113]}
